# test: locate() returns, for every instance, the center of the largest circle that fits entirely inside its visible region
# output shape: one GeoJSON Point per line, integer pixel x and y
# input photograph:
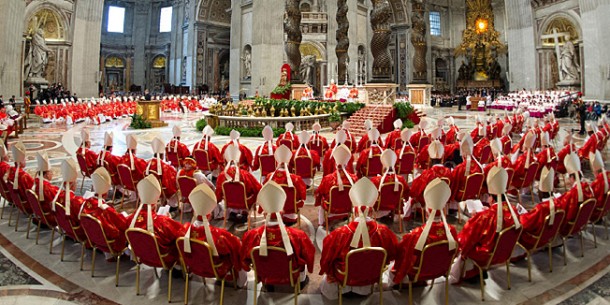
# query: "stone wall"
{"type": "Point", "coordinates": [11, 38]}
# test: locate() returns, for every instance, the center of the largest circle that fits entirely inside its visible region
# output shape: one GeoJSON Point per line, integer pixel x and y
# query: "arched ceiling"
{"type": "Point", "coordinates": [216, 11]}
{"type": "Point", "coordinates": [399, 11]}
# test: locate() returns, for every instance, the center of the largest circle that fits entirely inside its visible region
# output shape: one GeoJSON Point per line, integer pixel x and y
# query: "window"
{"type": "Point", "coordinates": [165, 23]}
{"type": "Point", "coordinates": [435, 23]}
{"type": "Point", "coordinates": [116, 19]}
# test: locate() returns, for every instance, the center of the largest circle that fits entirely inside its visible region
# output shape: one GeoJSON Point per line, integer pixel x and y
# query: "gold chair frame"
{"type": "Point", "coordinates": [133, 182]}
{"type": "Point", "coordinates": [342, 285]}
{"type": "Point", "coordinates": [398, 207]}
{"type": "Point", "coordinates": [14, 194]}
{"type": "Point", "coordinates": [44, 219]}
{"type": "Point", "coordinates": [63, 241]}
{"type": "Point", "coordinates": [296, 286]}
{"type": "Point", "coordinates": [329, 203]}
{"type": "Point", "coordinates": [571, 232]}
{"type": "Point", "coordinates": [181, 203]}
{"type": "Point", "coordinates": [464, 192]}
{"type": "Point", "coordinates": [249, 208]}
{"type": "Point", "coordinates": [602, 218]}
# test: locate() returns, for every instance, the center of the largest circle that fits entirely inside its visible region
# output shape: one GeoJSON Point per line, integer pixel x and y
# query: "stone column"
{"type": "Point", "coordinates": [267, 44]}
{"type": "Point", "coordinates": [86, 48]}
{"type": "Point", "coordinates": [342, 40]}
{"type": "Point", "coordinates": [380, 23]}
{"type": "Point", "coordinates": [236, 46]}
{"type": "Point", "coordinates": [292, 29]}
{"type": "Point", "coordinates": [596, 38]}
{"type": "Point", "coordinates": [521, 44]}
{"type": "Point", "coordinates": [419, 42]}
{"type": "Point", "coordinates": [11, 31]}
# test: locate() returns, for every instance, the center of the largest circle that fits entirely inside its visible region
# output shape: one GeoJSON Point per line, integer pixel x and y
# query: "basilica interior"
{"type": "Point", "coordinates": [159, 71]}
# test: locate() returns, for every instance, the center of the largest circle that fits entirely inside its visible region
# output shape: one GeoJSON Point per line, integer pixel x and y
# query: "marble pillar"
{"type": "Point", "coordinates": [596, 38]}
{"type": "Point", "coordinates": [419, 41]}
{"type": "Point", "coordinates": [267, 44]}
{"type": "Point", "coordinates": [86, 48]}
{"type": "Point", "coordinates": [236, 46]}
{"type": "Point", "coordinates": [521, 45]}
{"type": "Point", "coordinates": [11, 30]}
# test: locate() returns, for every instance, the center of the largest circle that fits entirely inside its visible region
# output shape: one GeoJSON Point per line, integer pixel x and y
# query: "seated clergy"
{"type": "Point", "coordinates": [43, 188]}
{"type": "Point", "coordinates": [499, 160]}
{"type": "Point", "coordinates": [423, 157]}
{"type": "Point", "coordinates": [113, 222]}
{"type": "Point", "coordinates": [225, 246]}
{"type": "Point", "coordinates": [164, 228]}
{"type": "Point", "coordinates": [478, 237]}
{"type": "Point", "coordinates": [350, 140]}
{"type": "Point", "coordinates": [233, 173]}
{"type": "Point", "coordinates": [388, 160]}
{"type": "Point", "coordinates": [375, 149]}
{"type": "Point", "coordinates": [245, 159]}
{"type": "Point", "coordinates": [547, 155]}
{"type": "Point", "coordinates": [523, 162]}
{"type": "Point", "coordinates": [590, 143]}
{"type": "Point", "coordinates": [328, 164]}
{"type": "Point", "coordinates": [451, 135]}
{"type": "Point", "coordinates": [191, 170]}
{"type": "Point", "coordinates": [289, 136]}
{"type": "Point", "coordinates": [303, 150]}
{"type": "Point", "coordinates": [85, 149]}
{"type": "Point", "coordinates": [435, 229]}
{"type": "Point", "coordinates": [568, 148]}
{"type": "Point", "coordinates": [283, 177]}
{"type": "Point", "coordinates": [164, 171]}
{"type": "Point", "coordinates": [365, 141]}
{"type": "Point", "coordinates": [578, 191]}
{"type": "Point", "coordinates": [469, 166]}
{"type": "Point", "coordinates": [317, 140]}
{"type": "Point", "coordinates": [437, 170]}
{"type": "Point", "coordinates": [421, 133]}
{"type": "Point", "coordinates": [339, 178]}
{"type": "Point", "coordinates": [176, 147]}
{"type": "Point", "coordinates": [601, 185]}
{"type": "Point", "coordinates": [108, 160]}
{"type": "Point", "coordinates": [66, 197]}
{"type": "Point", "coordinates": [136, 165]}
{"type": "Point", "coordinates": [394, 136]}
{"type": "Point", "coordinates": [214, 156]}
{"type": "Point", "coordinates": [5, 166]}
{"type": "Point", "coordinates": [22, 181]}
{"type": "Point", "coordinates": [274, 233]}
{"type": "Point", "coordinates": [265, 149]}
{"type": "Point", "coordinates": [363, 232]}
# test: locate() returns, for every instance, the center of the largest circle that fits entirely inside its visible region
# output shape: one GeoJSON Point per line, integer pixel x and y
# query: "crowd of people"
{"type": "Point", "coordinates": [443, 156]}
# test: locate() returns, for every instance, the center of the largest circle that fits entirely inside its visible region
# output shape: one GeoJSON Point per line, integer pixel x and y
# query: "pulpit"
{"type": "Point", "coordinates": [151, 111]}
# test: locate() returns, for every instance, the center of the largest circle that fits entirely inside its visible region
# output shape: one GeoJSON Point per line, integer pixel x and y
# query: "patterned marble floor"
{"type": "Point", "coordinates": [46, 280]}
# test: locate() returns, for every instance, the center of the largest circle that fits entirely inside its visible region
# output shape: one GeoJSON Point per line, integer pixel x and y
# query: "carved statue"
{"type": "Point", "coordinates": [570, 69]}
{"type": "Point", "coordinates": [342, 39]}
{"type": "Point", "coordinates": [463, 72]}
{"type": "Point", "coordinates": [307, 65]}
{"type": "Point", "coordinates": [493, 69]}
{"type": "Point", "coordinates": [418, 39]}
{"type": "Point", "coordinates": [292, 29]}
{"type": "Point", "coordinates": [380, 22]}
{"type": "Point", "coordinates": [247, 59]}
{"type": "Point", "coordinates": [37, 58]}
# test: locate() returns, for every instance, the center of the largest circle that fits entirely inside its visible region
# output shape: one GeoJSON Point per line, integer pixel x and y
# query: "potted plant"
{"type": "Point", "coordinates": [335, 120]}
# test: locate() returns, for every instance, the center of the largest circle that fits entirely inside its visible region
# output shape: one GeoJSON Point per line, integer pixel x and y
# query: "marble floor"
{"type": "Point", "coordinates": [30, 275]}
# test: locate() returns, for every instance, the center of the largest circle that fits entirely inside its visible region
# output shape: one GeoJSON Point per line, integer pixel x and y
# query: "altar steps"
{"type": "Point", "coordinates": [381, 115]}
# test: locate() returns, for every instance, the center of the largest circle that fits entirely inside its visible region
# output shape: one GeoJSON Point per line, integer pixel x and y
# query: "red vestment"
{"type": "Point", "coordinates": [315, 158]}
{"type": "Point", "coordinates": [391, 139]}
{"type": "Point", "coordinates": [477, 150]}
{"type": "Point", "coordinates": [392, 178]}
{"type": "Point", "coordinates": [262, 150]}
{"type": "Point", "coordinates": [279, 177]}
{"type": "Point", "coordinates": [166, 230]}
{"type": "Point", "coordinates": [533, 221]}
{"type": "Point", "coordinates": [113, 161]}
{"type": "Point", "coordinates": [597, 186]}
{"type": "Point", "coordinates": [167, 176]}
{"type": "Point", "coordinates": [177, 147]}
{"type": "Point", "coordinates": [363, 159]}
{"type": "Point", "coordinates": [245, 159]}
{"type": "Point", "coordinates": [25, 182]}
{"type": "Point", "coordinates": [459, 176]}
{"type": "Point", "coordinates": [451, 136]}
{"type": "Point", "coordinates": [329, 165]}
{"type": "Point", "coordinates": [521, 168]}
{"type": "Point", "coordinates": [227, 245]}
{"type": "Point", "coordinates": [570, 203]}
{"type": "Point", "coordinates": [566, 150]}
{"type": "Point", "coordinates": [365, 143]}
{"type": "Point", "coordinates": [322, 193]}
{"type": "Point", "coordinates": [113, 223]}
{"type": "Point", "coordinates": [90, 158]}
{"type": "Point", "coordinates": [214, 156]}
{"type": "Point", "coordinates": [49, 191]}
{"type": "Point", "coordinates": [289, 136]}
{"type": "Point", "coordinates": [589, 147]}
{"type": "Point", "coordinates": [419, 184]}
{"type": "Point", "coordinates": [252, 185]}
{"type": "Point", "coordinates": [139, 166]}
{"type": "Point", "coordinates": [337, 245]}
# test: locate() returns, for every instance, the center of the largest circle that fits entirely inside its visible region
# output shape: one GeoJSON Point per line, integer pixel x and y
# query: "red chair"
{"type": "Point", "coordinates": [472, 190]}
{"type": "Point", "coordinates": [186, 186]}
{"type": "Point", "coordinates": [127, 181]}
{"type": "Point", "coordinates": [390, 200]}
{"type": "Point", "coordinates": [97, 239]}
{"type": "Point", "coordinates": [71, 230]}
{"type": "Point", "coordinates": [599, 214]}
{"type": "Point", "coordinates": [276, 265]}
{"type": "Point", "coordinates": [267, 165]}
{"type": "Point", "coordinates": [503, 249]}
{"type": "Point", "coordinates": [145, 249]}
{"type": "Point", "coordinates": [235, 197]}
{"type": "Point", "coordinates": [527, 180]}
{"type": "Point", "coordinates": [203, 160]}
{"type": "Point", "coordinates": [363, 267]}
{"type": "Point", "coordinates": [423, 141]}
{"type": "Point", "coordinates": [531, 243]}
{"type": "Point", "coordinates": [200, 261]}
{"type": "Point", "coordinates": [486, 155]}
{"type": "Point", "coordinates": [84, 169]}
{"type": "Point", "coordinates": [398, 143]}
{"type": "Point", "coordinates": [432, 262]}
{"type": "Point", "coordinates": [577, 225]}
{"type": "Point", "coordinates": [21, 207]}
{"type": "Point", "coordinates": [373, 167]}
{"type": "Point", "coordinates": [507, 147]}
{"type": "Point", "coordinates": [406, 163]}
{"type": "Point", "coordinates": [291, 205]}
{"type": "Point", "coordinates": [47, 219]}
{"type": "Point", "coordinates": [303, 167]}
{"type": "Point", "coordinates": [287, 143]}
{"type": "Point", "coordinates": [351, 145]}
{"type": "Point", "coordinates": [312, 145]}
{"type": "Point", "coordinates": [173, 158]}
{"type": "Point", "coordinates": [339, 203]}
{"type": "Point", "coordinates": [5, 197]}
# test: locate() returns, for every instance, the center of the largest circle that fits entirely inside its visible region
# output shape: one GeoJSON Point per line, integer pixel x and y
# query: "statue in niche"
{"type": "Point", "coordinates": [306, 70]}
{"type": "Point", "coordinates": [570, 69]}
{"type": "Point", "coordinates": [247, 59]}
{"type": "Point", "coordinates": [463, 72]}
{"type": "Point", "coordinates": [38, 56]}
{"type": "Point", "coordinates": [187, 10]}
{"type": "Point", "coordinates": [361, 62]}
{"type": "Point", "coordinates": [494, 69]}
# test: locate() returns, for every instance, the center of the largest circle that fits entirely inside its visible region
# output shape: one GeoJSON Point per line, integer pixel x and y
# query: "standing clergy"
{"type": "Point", "coordinates": [283, 177]}
{"type": "Point", "coordinates": [164, 228]}
{"type": "Point", "coordinates": [85, 150]}
{"type": "Point", "coordinates": [22, 181]}
{"type": "Point", "coordinates": [214, 156]}
{"type": "Point", "coordinates": [176, 147]}
{"type": "Point", "coordinates": [274, 233]}
{"type": "Point", "coordinates": [225, 246]}
{"type": "Point", "coordinates": [166, 173]}
{"type": "Point", "coordinates": [363, 232]}
{"type": "Point", "coordinates": [436, 229]}
{"type": "Point", "coordinates": [245, 160]}
{"type": "Point", "coordinates": [375, 150]}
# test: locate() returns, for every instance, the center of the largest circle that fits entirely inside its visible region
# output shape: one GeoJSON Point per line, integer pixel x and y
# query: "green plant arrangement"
{"type": "Point", "coordinates": [201, 123]}
{"type": "Point", "coordinates": [403, 110]}
{"type": "Point", "coordinates": [282, 89]}
{"type": "Point", "coordinates": [138, 122]}
{"type": "Point", "coordinates": [278, 105]}
{"type": "Point", "coordinates": [408, 124]}
{"type": "Point", "coordinates": [256, 132]}
{"type": "Point", "coordinates": [334, 117]}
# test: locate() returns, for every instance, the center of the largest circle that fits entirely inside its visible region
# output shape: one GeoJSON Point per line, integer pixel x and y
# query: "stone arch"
{"type": "Point", "coordinates": [399, 12]}
{"type": "Point", "coordinates": [553, 20]}
{"type": "Point", "coordinates": [214, 11]}
{"type": "Point", "coordinates": [56, 22]}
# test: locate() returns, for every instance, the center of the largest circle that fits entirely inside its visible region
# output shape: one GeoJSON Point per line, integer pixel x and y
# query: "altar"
{"type": "Point", "coordinates": [151, 111]}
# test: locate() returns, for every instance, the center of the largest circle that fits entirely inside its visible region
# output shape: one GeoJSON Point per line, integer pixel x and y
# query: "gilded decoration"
{"type": "Point", "coordinates": [50, 23]}
{"type": "Point", "coordinates": [159, 62]}
{"type": "Point", "coordinates": [310, 49]}
{"type": "Point", "coordinates": [114, 62]}
{"type": "Point", "coordinates": [559, 25]}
